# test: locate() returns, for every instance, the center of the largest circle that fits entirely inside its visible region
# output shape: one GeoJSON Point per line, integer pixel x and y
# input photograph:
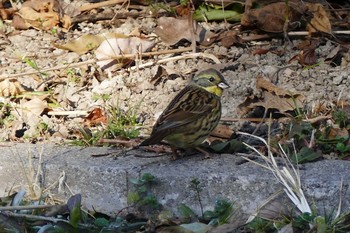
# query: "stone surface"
{"type": "Point", "coordinates": [103, 181]}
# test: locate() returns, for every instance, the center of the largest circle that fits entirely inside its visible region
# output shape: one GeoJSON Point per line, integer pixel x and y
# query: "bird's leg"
{"type": "Point", "coordinates": [206, 153]}
{"type": "Point", "coordinates": [176, 154]}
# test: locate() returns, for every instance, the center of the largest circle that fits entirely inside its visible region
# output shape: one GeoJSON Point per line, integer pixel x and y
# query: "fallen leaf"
{"type": "Point", "coordinates": [164, 71]}
{"type": "Point", "coordinates": [307, 56]}
{"type": "Point", "coordinates": [320, 21]}
{"type": "Point", "coordinates": [41, 15]}
{"type": "Point", "coordinates": [231, 146]}
{"type": "Point", "coordinates": [272, 97]}
{"type": "Point", "coordinates": [111, 48]}
{"type": "Point", "coordinates": [229, 38]}
{"type": "Point", "coordinates": [87, 42]}
{"type": "Point", "coordinates": [337, 55]}
{"type": "Point", "coordinates": [96, 117]}
{"type": "Point", "coordinates": [172, 30]}
{"type": "Point", "coordinates": [10, 87]}
{"type": "Point", "coordinates": [6, 13]}
{"type": "Point", "coordinates": [34, 106]}
{"type": "Point", "coordinates": [272, 17]}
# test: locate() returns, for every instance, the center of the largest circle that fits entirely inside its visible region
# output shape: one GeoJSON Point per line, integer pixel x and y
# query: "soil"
{"type": "Point", "coordinates": [75, 89]}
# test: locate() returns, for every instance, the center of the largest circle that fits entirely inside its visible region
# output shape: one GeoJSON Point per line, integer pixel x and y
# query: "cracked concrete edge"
{"type": "Point", "coordinates": [103, 181]}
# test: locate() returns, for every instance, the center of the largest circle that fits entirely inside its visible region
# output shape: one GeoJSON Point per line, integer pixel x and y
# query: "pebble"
{"type": "Point", "coordinates": [338, 79]}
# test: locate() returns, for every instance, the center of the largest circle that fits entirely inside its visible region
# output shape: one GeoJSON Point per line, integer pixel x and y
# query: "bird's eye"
{"type": "Point", "coordinates": [212, 79]}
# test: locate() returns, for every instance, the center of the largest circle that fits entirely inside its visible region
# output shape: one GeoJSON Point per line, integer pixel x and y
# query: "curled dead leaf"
{"type": "Point", "coordinates": [273, 97]}
{"type": "Point", "coordinates": [109, 49]}
{"type": "Point", "coordinates": [96, 117]}
{"type": "Point", "coordinates": [272, 17]}
{"type": "Point", "coordinates": [164, 71]}
{"type": "Point", "coordinates": [172, 30]}
{"type": "Point", "coordinates": [87, 42]}
{"type": "Point", "coordinates": [41, 15]}
{"type": "Point", "coordinates": [34, 106]}
{"type": "Point", "coordinates": [6, 13]}
{"type": "Point", "coordinates": [10, 87]}
{"type": "Point", "coordinates": [307, 56]}
{"type": "Point", "coordinates": [320, 21]}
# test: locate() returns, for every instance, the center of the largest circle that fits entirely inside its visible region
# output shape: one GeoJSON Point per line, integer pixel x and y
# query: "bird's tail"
{"type": "Point", "coordinates": [153, 139]}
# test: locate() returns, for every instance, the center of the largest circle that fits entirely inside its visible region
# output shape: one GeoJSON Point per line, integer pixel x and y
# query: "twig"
{"type": "Point", "coordinates": [67, 113]}
{"type": "Point", "coordinates": [34, 217]}
{"type": "Point", "coordinates": [91, 6]}
{"type": "Point", "coordinates": [185, 56]}
{"type": "Point", "coordinates": [30, 207]}
{"type": "Point", "coordinates": [92, 61]}
{"type": "Point", "coordinates": [108, 16]}
{"type": "Point", "coordinates": [301, 33]}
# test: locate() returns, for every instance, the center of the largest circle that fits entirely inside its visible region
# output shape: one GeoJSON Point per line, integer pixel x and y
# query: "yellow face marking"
{"type": "Point", "coordinates": [214, 89]}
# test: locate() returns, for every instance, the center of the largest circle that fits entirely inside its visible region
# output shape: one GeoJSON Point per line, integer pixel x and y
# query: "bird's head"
{"type": "Point", "coordinates": [211, 80]}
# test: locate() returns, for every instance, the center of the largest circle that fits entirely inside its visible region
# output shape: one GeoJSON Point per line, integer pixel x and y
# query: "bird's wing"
{"type": "Point", "coordinates": [179, 112]}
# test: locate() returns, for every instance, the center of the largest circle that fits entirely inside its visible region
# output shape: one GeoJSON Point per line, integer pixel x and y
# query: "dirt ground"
{"type": "Point", "coordinates": [75, 89]}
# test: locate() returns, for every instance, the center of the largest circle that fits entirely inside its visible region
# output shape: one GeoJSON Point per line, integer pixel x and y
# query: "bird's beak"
{"type": "Point", "coordinates": [223, 85]}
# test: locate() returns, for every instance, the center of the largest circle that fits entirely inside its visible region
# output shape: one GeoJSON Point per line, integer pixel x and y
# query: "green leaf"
{"type": "Point", "coordinates": [150, 200]}
{"type": "Point", "coordinates": [74, 206]}
{"type": "Point", "coordinates": [321, 224]}
{"type": "Point", "coordinates": [196, 227]}
{"type": "Point", "coordinates": [101, 222]}
{"type": "Point", "coordinates": [209, 214]}
{"type": "Point", "coordinates": [136, 181]}
{"type": "Point", "coordinates": [205, 13]}
{"type": "Point", "coordinates": [306, 155]}
{"type": "Point", "coordinates": [147, 177]}
{"type": "Point", "coordinates": [186, 212]}
{"type": "Point", "coordinates": [231, 146]}
{"type": "Point", "coordinates": [133, 197]}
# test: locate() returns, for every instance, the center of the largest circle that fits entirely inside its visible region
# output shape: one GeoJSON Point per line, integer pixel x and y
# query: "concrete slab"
{"type": "Point", "coordinates": [103, 181]}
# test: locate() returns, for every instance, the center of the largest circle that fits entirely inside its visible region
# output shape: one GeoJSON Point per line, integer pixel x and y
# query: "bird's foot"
{"type": "Point", "coordinates": [206, 153]}
{"type": "Point", "coordinates": [176, 155]}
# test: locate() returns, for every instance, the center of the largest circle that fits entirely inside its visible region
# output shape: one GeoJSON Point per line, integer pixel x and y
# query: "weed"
{"type": "Point", "coordinates": [308, 220]}
{"type": "Point", "coordinates": [341, 118]}
{"type": "Point", "coordinates": [260, 225]}
{"type": "Point", "coordinates": [222, 212]}
{"type": "Point", "coordinates": [120, 124]}
{"type": "Point", "coordinates": [103, 97]}
{"type": "Point", "coordinates": [34, 65]}
{"type": "Point", "coordinates": [157, 6]}
{"type": "Point", "coordinates": [143, 197]}
{"type": "Point", "coordinates": [198, 188]}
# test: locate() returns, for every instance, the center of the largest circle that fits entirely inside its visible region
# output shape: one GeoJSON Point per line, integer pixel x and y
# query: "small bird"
{"type": "Point", "coordinates": [192, 115]}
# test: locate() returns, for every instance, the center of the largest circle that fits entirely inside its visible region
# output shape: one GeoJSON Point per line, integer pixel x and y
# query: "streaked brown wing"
{"type": "Point", "coordinates": [187, 107]}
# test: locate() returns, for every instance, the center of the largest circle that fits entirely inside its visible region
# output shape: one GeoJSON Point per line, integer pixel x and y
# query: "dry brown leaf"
{"type": "Point", "coordinates": [10, 87]}
{"type": "Point", "coordinates": [164, 71]}
{"type": "Point", "coordinates": [34, 106]}
{"type": "Point", "coordinates": [172, 30]}
{"type": "Point", "coordinates": [320, 21]}
{"type": "Point", "coordinates": [41, 15]}
{"type": "Point", "coordinates": [96, 117]}
{"type": "Point", "coordinates": [110, 48]}
{"type": "Point", "coordinates": [6, 13]}
{"type": "Point", "coordinates": [229, 38]}
{"type": "Point", "coordinates": [272, 17]}
{"type": "Point", "coordinates": [307, 56]}
{"type": "Point", "coordinates": [273, 97]}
